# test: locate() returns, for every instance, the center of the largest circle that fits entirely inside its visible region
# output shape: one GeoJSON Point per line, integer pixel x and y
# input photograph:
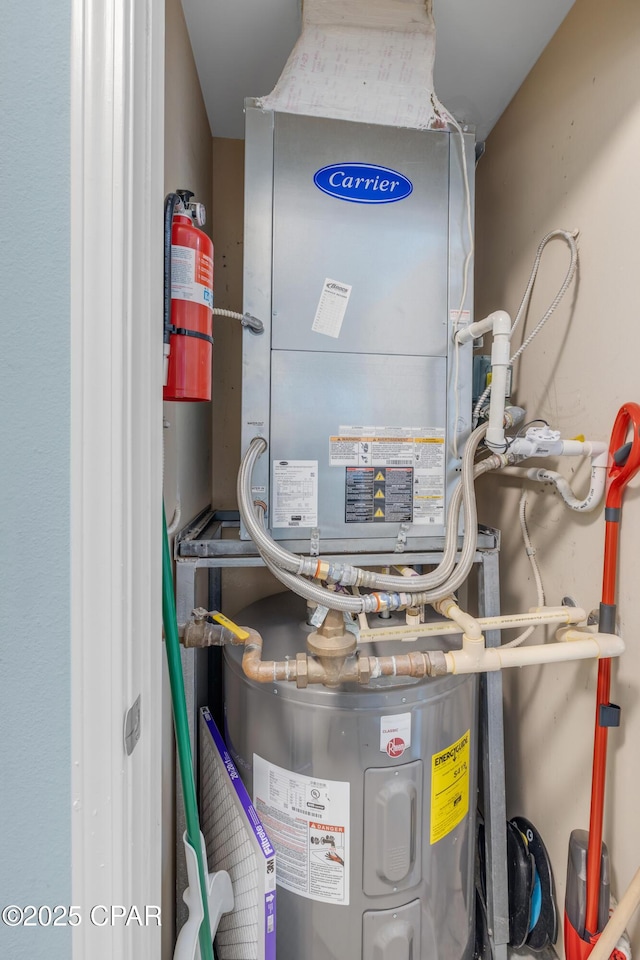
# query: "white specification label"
{"type": "Point", "coordinates": [295, 493]}
{"type": "Point", "coordinates": [395, 734]}
{"type": "Point", "coordinates": [307, 821]}
{"type": "Point", "coordinates": [421, 448]}
{"type": "Point", "coordinates": [428, 478]}
{"type": "Point", "coordinates": [331, 309]}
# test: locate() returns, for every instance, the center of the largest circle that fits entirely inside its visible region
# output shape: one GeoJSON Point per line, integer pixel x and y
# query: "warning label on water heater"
{"type": "Point", "coordinates": [449, 787]}
{"type": "Point", "coordinates": [307, 820]}
{"type": "Point", "coordinates": [392, 473]}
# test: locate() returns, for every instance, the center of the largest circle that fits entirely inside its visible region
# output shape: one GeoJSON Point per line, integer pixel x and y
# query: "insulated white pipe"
{"type": "Point", "coordinates": [606, 942]}
{"type": "Point", "coordinates": [475, 659]}
{"type": "Point", "coordinates": [535, 617]}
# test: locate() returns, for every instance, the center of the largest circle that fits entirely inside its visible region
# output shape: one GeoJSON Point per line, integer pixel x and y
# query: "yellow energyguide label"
{"type": "Point", "coordinates": [450, 787]}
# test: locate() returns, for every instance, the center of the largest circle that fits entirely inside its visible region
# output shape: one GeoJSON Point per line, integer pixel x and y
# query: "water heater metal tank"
{"type": "Point", "coordinates": [368, 795]}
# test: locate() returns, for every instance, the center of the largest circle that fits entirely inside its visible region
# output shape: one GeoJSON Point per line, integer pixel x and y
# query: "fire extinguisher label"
{"type": "Point", "coordinates": [191, 276]}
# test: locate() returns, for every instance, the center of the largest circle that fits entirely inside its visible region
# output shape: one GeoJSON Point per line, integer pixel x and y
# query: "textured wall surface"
{"type": "Point", "coordinates": [565, 154]}
{"type": "Point", "coordinates": [35, 745]}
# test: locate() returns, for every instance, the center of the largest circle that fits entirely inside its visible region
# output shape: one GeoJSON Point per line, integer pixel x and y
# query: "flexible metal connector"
{"type": "Point", "coordinates": [245, 319]}
{"type": "Point", "coordinates": [291, 569]}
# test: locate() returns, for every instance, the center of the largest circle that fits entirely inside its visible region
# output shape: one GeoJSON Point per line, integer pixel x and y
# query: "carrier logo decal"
{"type": "Point", "coordinates": [362, 183]}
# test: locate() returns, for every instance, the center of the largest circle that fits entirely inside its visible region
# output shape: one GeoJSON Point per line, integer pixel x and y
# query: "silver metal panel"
{"type": "Point", "coordinates": [493, 766]}
{"type": "Point", "coordinates": [342, 389]}
{"type": "Point", "coordinates": [405, 263]}
{"type": "Point", "coordinates": [459, 376]}
{"type": "Point", "coordinates": [394, 255]}
{"type": "Point", "coordinates": [392, 934]}
{"type": "Point", "coordinates": [212, 539]}
{"type": "Point", "coordinates": [393, 806]}
{"type": "Point", "coordinates": [258, 231]}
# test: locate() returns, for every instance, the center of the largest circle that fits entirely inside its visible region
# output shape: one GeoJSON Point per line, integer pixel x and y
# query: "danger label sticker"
{"type": "Point", "coordinates": [450, 787]}
{"type": "Point", "coordinates": [418, 449]}
{"type": "Point", "coordinates": [307, 820]}
{"type": "Point", "coordinates": [383, 495]}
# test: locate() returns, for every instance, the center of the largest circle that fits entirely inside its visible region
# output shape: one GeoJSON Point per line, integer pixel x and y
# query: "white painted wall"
{"type": "Point", "coordinates": [565, 154]}
{"type": "Point", "coordinates": [35, 661]}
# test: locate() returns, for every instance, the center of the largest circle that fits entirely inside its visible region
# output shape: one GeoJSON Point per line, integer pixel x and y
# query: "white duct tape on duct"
{"type": "Point", "coordinates": [365, 60]}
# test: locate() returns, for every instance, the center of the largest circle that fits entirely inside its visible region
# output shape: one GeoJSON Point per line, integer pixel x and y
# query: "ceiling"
{"type": "Point", "coordinates": [484, 51]}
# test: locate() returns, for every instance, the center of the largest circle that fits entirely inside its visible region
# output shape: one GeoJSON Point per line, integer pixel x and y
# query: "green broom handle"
{"type": "Point", "coordinates": [183, 740]}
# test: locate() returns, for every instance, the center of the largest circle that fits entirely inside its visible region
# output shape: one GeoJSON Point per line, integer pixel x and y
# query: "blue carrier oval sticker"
{"type": "Point", "coordinates": [363, 183]}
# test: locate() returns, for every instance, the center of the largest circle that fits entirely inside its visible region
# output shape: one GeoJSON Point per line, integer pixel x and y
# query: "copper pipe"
{"type": "Point", "coordinates": [352, 669]}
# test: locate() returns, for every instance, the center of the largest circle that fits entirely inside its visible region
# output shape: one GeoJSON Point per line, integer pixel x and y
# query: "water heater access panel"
{"type": "Point", "coordinates": [355, 238]}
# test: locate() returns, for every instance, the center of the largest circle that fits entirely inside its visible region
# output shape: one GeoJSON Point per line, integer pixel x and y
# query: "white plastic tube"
{"type": "Point", "coordinates": [499, 369]}
{"type": "Point", "coordinates": [570, 238]}
{"type": "Point", "coordinates": [531, 554]}
{"type": "Point", "coordinates": [499, 324]}
{"type": "Point", "coordinates": [593, 497]}
{"type": "Point", "coordinates": [471, 629]}
{"type": "Point", "coordinates": [599, 454]}
{"type": "Point", "coordinates": [488, 659]}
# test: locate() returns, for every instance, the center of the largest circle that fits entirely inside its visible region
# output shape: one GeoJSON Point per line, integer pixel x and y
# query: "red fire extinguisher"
{"type": "Point", "coordinates": [188, 300]}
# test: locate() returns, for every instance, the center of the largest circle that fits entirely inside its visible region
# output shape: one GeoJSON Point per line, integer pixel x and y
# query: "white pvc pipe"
{"type": "Point", "coordinates": [592, 499]}
{"type": "Point", "coordinates": [470, 627]}
{"type": "Point", "coordinates": [476, 329]}
{"type": "Point", "coordinates": [499, 323]}
{"type": "Point", "coordinates": [595, 449]}
{"type": "Point", "coordinates": [616, 926]}
{"type": "Point", "coordinates": [486, 659]}
{"type": "Point", "coordinates": [535, 617]}
{"type": "Point", "coordinates": [500, 351]}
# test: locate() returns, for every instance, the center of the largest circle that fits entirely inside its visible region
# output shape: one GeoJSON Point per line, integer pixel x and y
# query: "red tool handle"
{"type": "Point", "coordinates": [624, 463]}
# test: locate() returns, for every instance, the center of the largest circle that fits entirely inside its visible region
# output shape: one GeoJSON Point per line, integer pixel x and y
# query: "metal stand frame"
{"type": "Point", "coordinates": [210, 542]}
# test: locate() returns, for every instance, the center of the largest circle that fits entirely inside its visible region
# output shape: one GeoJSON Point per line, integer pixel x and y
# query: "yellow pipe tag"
{"type": "Point", "coordinates": [230, 625]}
